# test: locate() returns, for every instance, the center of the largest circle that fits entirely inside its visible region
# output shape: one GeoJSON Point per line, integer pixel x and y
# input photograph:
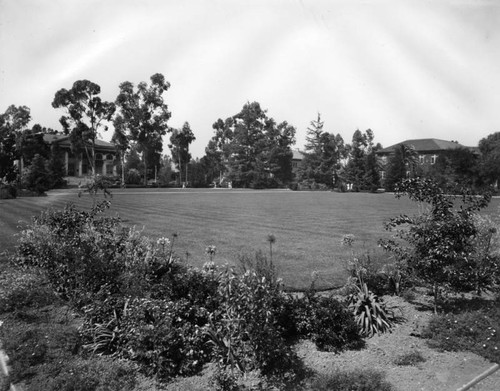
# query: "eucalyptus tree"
{"type": "Point", "coordinates": [143, 116]}
{"type": "Point", "coordinates": [180, 139]}
{"type": "Point", "coordinates": [86, 114]}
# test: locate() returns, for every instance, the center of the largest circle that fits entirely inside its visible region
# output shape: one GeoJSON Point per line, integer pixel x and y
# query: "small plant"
{"type": "Point", "coordinates": [409, 359]}
{"type": "Point", "coordinates": [271, 239]}
{"type": "Point", "coordinates": [211, 251]}
{"type": "Point", "coordinates": [372, 317]}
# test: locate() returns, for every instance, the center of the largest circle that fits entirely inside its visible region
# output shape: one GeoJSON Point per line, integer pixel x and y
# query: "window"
{"type": "Point", "coordinates": [433, 159]}
{"type": "Point", "coordinates": [110, 157]}
{"type": "Point", "coordinates": [98, 156]}
{"type": "Point", "coordinates": [109, 169]}
{"type": "Point", "coordinates": [421, 159]}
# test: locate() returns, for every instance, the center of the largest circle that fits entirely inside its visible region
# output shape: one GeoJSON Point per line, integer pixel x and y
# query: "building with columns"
{"type": "Point", "coordinates": [76, 164]}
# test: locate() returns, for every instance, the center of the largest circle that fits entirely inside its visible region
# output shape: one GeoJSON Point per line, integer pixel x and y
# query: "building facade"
{"type": "Point", "coordinates": [77, 164]}
{"type": "Point", "coordinates": [427, 149]}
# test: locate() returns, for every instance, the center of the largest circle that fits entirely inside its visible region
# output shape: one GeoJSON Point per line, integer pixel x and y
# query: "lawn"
{"type": "Point", "coordinates": [308, 226]}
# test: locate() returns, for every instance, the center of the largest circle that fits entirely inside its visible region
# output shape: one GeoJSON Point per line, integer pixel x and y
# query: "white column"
{"type": "Point", "coordinates": [66, 160]}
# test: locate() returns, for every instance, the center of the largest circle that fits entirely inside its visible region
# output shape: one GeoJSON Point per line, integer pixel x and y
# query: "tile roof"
{"type": "Point", "coordinates": [64, 139]}
{"type": "Point", "coordinates": [426, 145]}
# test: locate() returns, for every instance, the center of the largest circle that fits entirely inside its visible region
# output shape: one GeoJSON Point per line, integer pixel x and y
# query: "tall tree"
{"type": "Point", "coordinates": [402, 164]}
{"type": "Point", "coordinates": [490, 159]}
{"type": "Point", "coordinates": [86, 115]}
{"type": "Point", "coordinates": [323, 155]}
{"type": "Point", "coordinates": [254, 150]}
{"type": "Point", "coordinates": [218, 150]}
{"type": "Point", "coordinates": [122, 143]}
{"type": "Point", "coordinates": [360, 148]}
{"type": "Point", "coordinates": [12, 123]}
{"type": "Point", "coordinates": [180, 140]}
{"type": "Point", "coordinates": [143, 115]}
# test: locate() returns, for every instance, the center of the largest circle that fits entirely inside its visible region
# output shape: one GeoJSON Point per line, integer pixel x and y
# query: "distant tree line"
{"type": "Point", "coordinates": [249, 149]}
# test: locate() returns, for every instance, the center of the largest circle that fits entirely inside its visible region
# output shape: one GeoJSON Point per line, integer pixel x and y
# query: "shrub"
{"type": "Point", "coordinates": [37, 177]}
{"type": "Point", "coordinates": [244, 331]}
{"type": "Point", "coordinates": [325, 321]}
{"type": "Point", "coordinates": [77, 249]}
{"type": "Point", "coordinates": [133, 177]}
{"type": "Point", "coordinates": [362, 380]}
{"type": "Point", "coordinates": [441, 248]}
{"type": "Point", "coordinates": [7, 191]}
{"type": "Point", "coordinates": [372, 317]}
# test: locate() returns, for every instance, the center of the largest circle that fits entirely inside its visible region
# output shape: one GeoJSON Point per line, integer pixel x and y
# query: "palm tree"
{"type": "Point", "coordinates": [409, 157]}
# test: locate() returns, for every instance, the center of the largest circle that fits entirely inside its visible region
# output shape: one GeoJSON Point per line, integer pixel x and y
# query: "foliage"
{"type": "Point", "coordinates": [244, 331]}
{"type": "Point", "coordinates": [133, 177]}
{"type": "Point", "coordinates": [475, 330]}
{"type": "Point", "coordinates": [180, 139]}
{"type": "Point", "coordinates": [361, 171]}
{"type": "Point", "coordinates": [372, 316]}
{"type": "Point", "coordinates": [37, 177]}
{"type": "Point", "coordinates": [86, 115]}
{"type": "Point", "coordinates": [402, 164]}
{"type": "Point", "coordinates": [490, 159]}
{"type": "Point", "coordinates": [325, 321]}
{"type": "Point", "coordinates": [359, 380]}
{"type": "Point", "coordinates": [12, 122]}
{"type": "Point", "coordinates": [441, 242]}
{"type": "Point", "coordinates": [460, 165]}
{"type": "Point", "coordinates": [77, 249]}
{"type": "Point", "coordinates": [322, 157]}
{"type": "Point", "coordinates": [251, 149]}
{"type": "Point", "coordinates": [142, 117]}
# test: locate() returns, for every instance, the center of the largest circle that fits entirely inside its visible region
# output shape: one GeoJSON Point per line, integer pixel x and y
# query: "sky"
{"type": "Point", "coordinates": [405, 69]}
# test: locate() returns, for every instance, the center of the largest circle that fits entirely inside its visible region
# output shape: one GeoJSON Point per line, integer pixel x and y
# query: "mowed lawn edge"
{"type": "Point", "coordinates": [308, 226]}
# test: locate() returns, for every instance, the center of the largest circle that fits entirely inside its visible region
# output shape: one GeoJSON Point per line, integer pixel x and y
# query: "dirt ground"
{"type": "Point", "coordinates": [441, 371]}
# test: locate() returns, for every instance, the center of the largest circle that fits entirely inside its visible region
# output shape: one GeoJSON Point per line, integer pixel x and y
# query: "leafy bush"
{"type": "Point", "coordinates": [36, 177]}
{"type": "Point", "coordinates": [244, 331]}
{"type": "Point", "coordinates": [76, 249]}
{"type": "Point", "coordinates": [325, 321]}
{"type": "Point", "coordinates": [372, 317]}
{"type": "Point", "coordinates": [476, 331]}
{"type": "Point", "coordinates": [362, 380]}
{"type": "Point", "coordinates": [133, 177]}
{"type": "Point", "coordinates": [7, 191]}
{"type": "Point", "coordinates": [441, 247]}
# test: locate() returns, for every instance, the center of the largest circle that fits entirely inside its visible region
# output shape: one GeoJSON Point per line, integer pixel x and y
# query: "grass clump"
{"type": "Point", "coordinates": [362, 380]}
{"type": "Point", "coordinates": [409, 358]}
{"type": "Point", "coordinates": [475, 330]}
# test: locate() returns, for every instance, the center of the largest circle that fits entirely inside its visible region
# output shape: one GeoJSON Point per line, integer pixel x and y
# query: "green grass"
{"type": "Point", "coordinates": [308, 226]}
